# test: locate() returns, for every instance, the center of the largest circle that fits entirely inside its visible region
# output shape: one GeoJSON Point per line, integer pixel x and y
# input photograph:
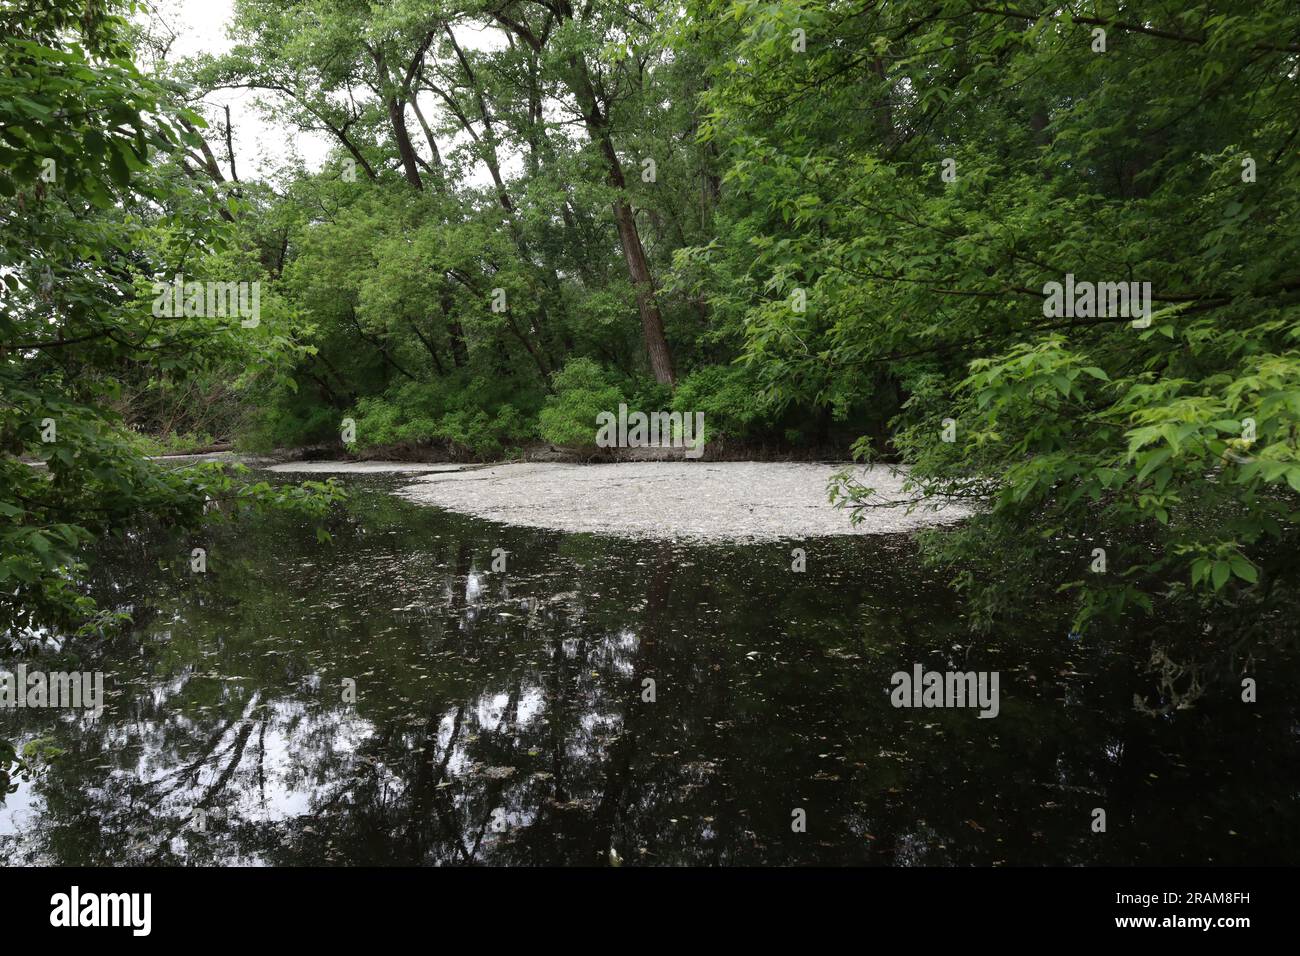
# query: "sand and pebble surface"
{"type": "Point", "coordinates": [703, 501]}
{"type": "Point", "coordinates": [362, 467]}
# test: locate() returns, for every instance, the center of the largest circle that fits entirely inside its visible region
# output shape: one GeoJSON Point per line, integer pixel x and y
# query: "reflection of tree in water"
{"type": "Point", "coordinates": [500, 716]}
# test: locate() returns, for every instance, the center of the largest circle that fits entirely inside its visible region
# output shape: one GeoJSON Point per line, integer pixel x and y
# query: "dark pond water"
{"type": "Point", "coordinates": [500, 718]}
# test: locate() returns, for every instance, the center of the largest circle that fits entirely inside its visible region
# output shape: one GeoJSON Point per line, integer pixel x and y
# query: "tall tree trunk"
{"type": "Point", "coordinates": [638, 267]}
{"type": "Point", "coordinates": [652, 323]}
{"type": "Point", "coordinates": [397, 118]}
{"type": "Point", "coordinates": [394, 98]}
{"type": "Point", "coordinates": [487, 149]}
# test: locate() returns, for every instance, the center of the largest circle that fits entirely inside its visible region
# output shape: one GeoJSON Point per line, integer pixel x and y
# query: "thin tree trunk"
{"type": "Point", "coordinates": [428, 347]}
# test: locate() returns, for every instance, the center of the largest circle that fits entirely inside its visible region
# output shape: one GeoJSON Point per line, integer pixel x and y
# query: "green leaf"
{"type": "Point", "coordinates": [1243, 569]}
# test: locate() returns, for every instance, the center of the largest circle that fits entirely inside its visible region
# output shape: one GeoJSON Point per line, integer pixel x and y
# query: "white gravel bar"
{"type": "Point", "coordinates": [705, 501]}
{"type": "Point", "coordinates": [360, 467]}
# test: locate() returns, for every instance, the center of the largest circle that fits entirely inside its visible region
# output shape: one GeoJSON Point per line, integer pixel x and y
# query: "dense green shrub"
{"type": "Point", "coordinates": [466, 418]}
{"type": "Point", "coordinates": [583, 389]}
{"type": "Point", "coordinates": [289, 420]}
{"type": "Point", "coordinates": [730, 400]}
